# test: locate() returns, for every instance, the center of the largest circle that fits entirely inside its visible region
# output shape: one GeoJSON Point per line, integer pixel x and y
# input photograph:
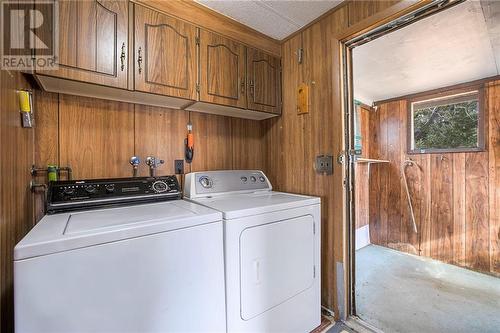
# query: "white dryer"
{"type": "Point", "coordinates": [155, 267]}
{"type": "Point", "coordinates": [272, 251]}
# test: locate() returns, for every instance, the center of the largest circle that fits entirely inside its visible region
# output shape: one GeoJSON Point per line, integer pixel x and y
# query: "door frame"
{"type": "Point", "coordinates": [384, 22]}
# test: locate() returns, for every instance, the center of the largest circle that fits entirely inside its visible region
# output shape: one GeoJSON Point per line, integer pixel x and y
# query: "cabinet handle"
{"type": "Point", "coordinates": [243, 85]}
{"type": "Point", "coordinates": [122, 57]}
{"type": "Point", "coordinates": [139, 59]}
{"type": "Point", "coordinates": [251, 87]}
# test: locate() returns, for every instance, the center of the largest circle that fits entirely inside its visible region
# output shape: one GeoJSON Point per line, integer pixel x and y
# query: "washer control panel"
{"type": "Point", "coordinates": [202, 184]}
{"type": "Point", "coordinates": [88, 193]}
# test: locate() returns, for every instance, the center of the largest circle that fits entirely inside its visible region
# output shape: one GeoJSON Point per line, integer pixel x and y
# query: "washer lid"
{"type": "Point", "coordinates": [67, 231]}
{"type": "Point", "coordinates": [235, 206]}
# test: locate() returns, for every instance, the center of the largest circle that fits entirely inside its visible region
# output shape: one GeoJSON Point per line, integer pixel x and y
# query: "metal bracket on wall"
{"type": "Point", "coordinates": [300, 55]}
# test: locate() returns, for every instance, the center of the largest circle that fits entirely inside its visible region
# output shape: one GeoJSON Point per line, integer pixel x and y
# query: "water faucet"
{"type": "Point", "coordinates": [135, 161]}
{"type": "Point", "coordinates": [153, 163]}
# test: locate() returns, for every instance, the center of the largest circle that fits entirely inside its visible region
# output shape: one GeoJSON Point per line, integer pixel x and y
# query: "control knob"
{"type": "Point", "coordinates": [160, 186]}
{"type": "Point", "coordinates": [110, 188]}
{"type": "Point", "coordinates": [90, 188]}
{"type": "Point", "coordinates": [68, 190]}
{"type": "Point", "coordinates": [205, 182]}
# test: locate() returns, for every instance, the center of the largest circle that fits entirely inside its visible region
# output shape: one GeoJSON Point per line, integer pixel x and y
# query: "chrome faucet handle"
{"type": "Point", "coordinates": [153, 163]}
{"type": "Point", "coordinates": [135, 161]}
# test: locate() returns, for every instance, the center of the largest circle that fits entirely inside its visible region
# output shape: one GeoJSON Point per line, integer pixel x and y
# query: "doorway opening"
{"type": "Point", "coordinates": [423, 95]}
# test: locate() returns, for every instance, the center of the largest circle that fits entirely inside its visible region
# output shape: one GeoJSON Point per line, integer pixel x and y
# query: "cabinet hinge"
{"type": "Point", "coordinates": [197, 87]}
{"type": "Point", "coordinates": [197, 40]}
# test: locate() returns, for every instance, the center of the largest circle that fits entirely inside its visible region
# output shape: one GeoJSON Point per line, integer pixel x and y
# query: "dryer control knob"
{"type": "Point", "coordinates": [205, 182]}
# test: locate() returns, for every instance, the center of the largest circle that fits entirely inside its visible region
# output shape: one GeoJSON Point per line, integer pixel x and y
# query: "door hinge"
{"type": "Point", "coordinates": [197, 87]}
{"type": "Point", "coordinates": [314, 228]}
{"type": "Point", "coordinates": [197, 40]}
{"type": "Point", "coordinates": [314, 271]}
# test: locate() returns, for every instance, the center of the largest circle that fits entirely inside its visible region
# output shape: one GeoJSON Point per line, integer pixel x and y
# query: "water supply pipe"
{"type": "Point", "coordinates": [406, 163]}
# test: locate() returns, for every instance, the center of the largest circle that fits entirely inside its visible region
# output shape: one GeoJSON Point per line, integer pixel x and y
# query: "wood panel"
{"type": "Point", "coordinates": [454, 195]}
{"type": "Point", "coordinates": [165, 54]}
{"type": "Point", "coordinates": [199, 15]}
{"type": "Point", "coordinates": [16, 158]}
{"type": "Point", "coordinates": [442, 207]}
{"type": "Point", "coordinates": [222, 70]}
{"type": "Point", "coordinates": [361, 172]}
{"type": "Point", "coordinates": [96, 137]}
{"type": "Point", "coordinates": [91, 40]}
{"type": "Point", "coordinates": [362, 9]}
{"type": "Point", "coordinates": [46, 141]}
{"type": "Point", "coordinates": [493, 95]}
{"type": "Point", "coordinates": [459, 209]}
{"type": "Point", "coordinates": [394, 232]}
{"type": "Point", "coordinates": [248, 144]}
{"type": "Point", "coordinates": [477, 214]}
{"type": "Point", "coordinates": [212, 142]}
{"type": "Point", "coordinates": [159, 132]}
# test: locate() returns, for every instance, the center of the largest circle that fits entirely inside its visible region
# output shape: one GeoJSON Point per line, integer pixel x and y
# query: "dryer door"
{"type": "Point", "coordinates": [276, 263]}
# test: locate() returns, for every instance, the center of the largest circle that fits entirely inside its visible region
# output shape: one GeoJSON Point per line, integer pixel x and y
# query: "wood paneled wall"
{"type": "Point", "coordinates": [293, 141]}
{"type": "Point", "coordinates": [361, 172]}
{"type": "Point", "coordinates": [455, 195]}
{"type": "Point", "coordinates": [98, 137]}
{"type": "Point", "coordinates": [16, 209]}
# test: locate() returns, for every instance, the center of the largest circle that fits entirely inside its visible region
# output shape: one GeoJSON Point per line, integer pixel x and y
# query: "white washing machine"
{"type": "Point", "coordinates": [272, 251]}
{"type": "Point", "coordinates": [154, 267]}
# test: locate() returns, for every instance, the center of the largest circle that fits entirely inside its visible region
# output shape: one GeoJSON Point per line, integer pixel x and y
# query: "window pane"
{"type": "Point", "coordinates": [446, 125]}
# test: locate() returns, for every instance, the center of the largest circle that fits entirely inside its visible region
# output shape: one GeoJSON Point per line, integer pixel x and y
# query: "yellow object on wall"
{"type": "Point", "coordinates": [24, 101]}
{"type": "Point", "coordinates": [302, 98]}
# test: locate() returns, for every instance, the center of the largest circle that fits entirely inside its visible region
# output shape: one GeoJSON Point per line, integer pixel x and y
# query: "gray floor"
{"type": "Point", "coordinates": [397, 292]}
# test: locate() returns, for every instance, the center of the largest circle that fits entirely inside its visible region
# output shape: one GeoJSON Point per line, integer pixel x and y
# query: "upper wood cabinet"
{"type": "Point", "coordinates": [93, 42]}
{"type": "Point", "coordinates": [164, 55]}
{"type": "Point", "coordinates": [264, 81]}
{"type": "Point", "coordinates": [222, 70]}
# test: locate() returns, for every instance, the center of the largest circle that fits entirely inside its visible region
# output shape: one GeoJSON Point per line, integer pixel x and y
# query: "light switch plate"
{"type": "Point", "coordinates": [324, 164]}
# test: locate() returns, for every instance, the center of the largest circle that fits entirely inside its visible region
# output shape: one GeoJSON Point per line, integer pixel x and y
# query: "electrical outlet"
{"type": "Point", "coordinates": [179, 167]}
{"type": "Point", "coordinates": [324, 164]}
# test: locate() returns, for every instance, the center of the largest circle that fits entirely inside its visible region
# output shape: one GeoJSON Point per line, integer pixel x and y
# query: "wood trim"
{"type": "Point", "coordinates": [380, 18]}
{"type": "Point", "coordinates": [210, 20]}
{"type": "Point", "coordinates": [462, 86]}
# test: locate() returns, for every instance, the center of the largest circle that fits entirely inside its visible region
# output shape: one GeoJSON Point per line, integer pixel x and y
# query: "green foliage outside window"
{"type": "Point", "coordinates": [448, 126]}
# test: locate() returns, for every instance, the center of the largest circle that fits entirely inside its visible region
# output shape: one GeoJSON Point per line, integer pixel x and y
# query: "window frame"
{"type": "Point", "coordinates": [443, 93]}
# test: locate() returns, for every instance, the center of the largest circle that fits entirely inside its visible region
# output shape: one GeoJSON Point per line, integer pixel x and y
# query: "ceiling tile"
{"type": "Point", "coordinates": [277, 19]}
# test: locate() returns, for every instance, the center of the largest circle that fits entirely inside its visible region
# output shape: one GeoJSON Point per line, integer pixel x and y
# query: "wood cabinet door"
{"type": "Point", "coordinates": [93, 42]}
{"type": "Point", "coordinates": [264, 81]}
{"type": "Point", "coordinates": [222, 70]}
{"type": "Point", "coordinates": [165, 54]}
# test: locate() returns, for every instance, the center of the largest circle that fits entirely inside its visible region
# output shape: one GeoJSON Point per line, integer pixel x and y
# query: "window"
{"type": "Point", "coordinates": [447, 123]}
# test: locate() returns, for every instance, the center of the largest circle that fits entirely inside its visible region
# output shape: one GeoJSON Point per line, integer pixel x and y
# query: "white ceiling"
{"type": "Point", "coordinates": [276, 19]}
{"type": "Point", "coordinates": [457, 45]}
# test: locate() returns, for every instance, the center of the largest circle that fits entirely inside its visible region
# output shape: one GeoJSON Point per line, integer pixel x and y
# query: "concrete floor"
{"type": "Point", "coordinates": [397, 292]}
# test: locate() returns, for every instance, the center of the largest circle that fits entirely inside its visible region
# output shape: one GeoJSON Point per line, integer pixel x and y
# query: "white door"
{"type": "Point", "coordinates": [276, 263]}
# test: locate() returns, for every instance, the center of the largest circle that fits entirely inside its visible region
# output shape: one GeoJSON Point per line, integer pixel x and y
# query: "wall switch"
{"type": "Point", "coordinates": [324, 164]}
{"type": "Point", "coordinates": [179, 167]}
